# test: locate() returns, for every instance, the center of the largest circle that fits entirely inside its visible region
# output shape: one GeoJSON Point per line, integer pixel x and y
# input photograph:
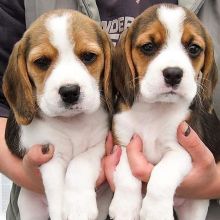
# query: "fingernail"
{"type": "Point", "coordinates": [109, 133]}
{"type": "Point", "coordinates": [45, 148]}
{"type": "Point", "coordinates": [114, 149]}
{"type": "Point", "coordinates": [187, 132]}
{"type": "Point", "coordinates": [134, 136]}
{"type": "Point", "coordinates": [187, 129]}
{"type": "Point", "coordinates": [106, 137]}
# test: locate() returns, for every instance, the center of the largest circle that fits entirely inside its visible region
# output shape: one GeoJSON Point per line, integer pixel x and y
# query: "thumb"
{"type": "Point", "coordinates": [38, 155]}
{"type": "Point", "coordinates": [140, 167]}
{"type": "Point", "coordinates": [188, 138]}
{"type": "Point", "coordinates": [110, 163]}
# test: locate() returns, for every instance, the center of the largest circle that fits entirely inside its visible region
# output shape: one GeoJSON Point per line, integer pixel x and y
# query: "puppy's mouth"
{"type": "Point", "coordinates": [170, 96]}
{"type": "Point", "coordinates": [71, 106]}
{"type": "Point", "coordinates": [74, 108]}
{"type": "Point", "coordinates": [170, 93]}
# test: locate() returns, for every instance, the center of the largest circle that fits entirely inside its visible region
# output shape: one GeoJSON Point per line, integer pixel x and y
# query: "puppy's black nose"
{"type": "Point", "coordinates": [172, 75]}
{"type": "Point", "coordinates": [70, 93]}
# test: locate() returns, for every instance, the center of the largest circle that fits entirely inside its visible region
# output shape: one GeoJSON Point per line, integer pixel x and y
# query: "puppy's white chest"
{"type": "Point", "coordinates": [70, 135]}
{"type": "Point", "coordinates": [155, 124]}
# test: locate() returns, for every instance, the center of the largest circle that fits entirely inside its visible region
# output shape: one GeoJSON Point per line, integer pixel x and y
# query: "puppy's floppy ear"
{"type": "Point", "coordinates": [124, 77]}
{"type": "Point", "coordinates": [209, 73]}
{"type": "Point", "coordinates": [106, 79]}
{"type": "Point", "coordinates": [17, 87]}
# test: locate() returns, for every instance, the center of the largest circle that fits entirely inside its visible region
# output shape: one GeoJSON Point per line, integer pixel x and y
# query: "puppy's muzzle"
{"type": "Point", "coordinates": [172, 76]}
{"type": "Point", "coordinates": [70, 93]}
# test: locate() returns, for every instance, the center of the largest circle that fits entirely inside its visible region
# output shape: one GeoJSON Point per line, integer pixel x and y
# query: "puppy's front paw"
{"type": "Point", "coordinates": [125, 206]}
{"type": "Point", "coordinates": [156, 210]}
{"type": "Point", "coordinates": [80, 205]}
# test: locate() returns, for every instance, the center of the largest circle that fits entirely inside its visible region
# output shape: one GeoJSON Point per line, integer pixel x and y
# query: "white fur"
{"type": "Point", "coordinates": [155, 116]}
{"type": "Point", "coordinates": [78, 135]}
{"type": "Point", "coordinates": [153, 87]}
{"type": "Point", "coordinates": [69, 70]}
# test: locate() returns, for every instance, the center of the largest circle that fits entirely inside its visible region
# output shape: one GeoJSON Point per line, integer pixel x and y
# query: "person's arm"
{"type": "Point", "coordinates": [203, 182]}
{"type": "Point", "coordinates": [24, 172]}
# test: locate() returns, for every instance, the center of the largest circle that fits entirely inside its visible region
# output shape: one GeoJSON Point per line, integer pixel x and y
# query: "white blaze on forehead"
{"type": "Point", "coordinates": [59, 37]}
{"type": "Point", "coordinates": [172, 54]}
{"type": "Point", "coordinates": [172, 19]}
{"type": "Point", "coordinates": [68, 69]}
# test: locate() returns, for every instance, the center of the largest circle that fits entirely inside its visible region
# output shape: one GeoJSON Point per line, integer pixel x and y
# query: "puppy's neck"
{"type": "Point", "coordinates": [163, 107]}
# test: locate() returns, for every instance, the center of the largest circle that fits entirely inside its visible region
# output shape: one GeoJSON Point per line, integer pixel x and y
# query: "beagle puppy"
{"type": "Point", "coordinates": [163, 73]}
{"type": "Point", "coordinates": [57, 83]}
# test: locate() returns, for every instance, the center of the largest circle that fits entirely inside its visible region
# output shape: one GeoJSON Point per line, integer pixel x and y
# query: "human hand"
{"type": "Point", "coordinates": [38, 155]}
{"type": "Point", "coordinates": [203, 181]}
{"type": "Point", "coordinates": [35, 157]}
{"type": "Point", "coordinates": [138, 163]}
{"type": "Point", "coordinates": [110, 161]}
{"type": "Point", "coordinates": [24, 172]}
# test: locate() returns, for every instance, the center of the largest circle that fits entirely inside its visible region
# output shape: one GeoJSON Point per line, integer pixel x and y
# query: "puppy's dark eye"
{"type": "Point", "coordinates": [88, 57]}
{"type": "Point", "coordinates": [194, 50]}
{"type": "Point", "coordinates": [149, 48]}
{"type": "Point", "coordinates": [43, 63]}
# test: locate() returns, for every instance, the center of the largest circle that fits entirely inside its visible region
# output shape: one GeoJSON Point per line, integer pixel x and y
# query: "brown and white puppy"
{"type": "Point", "coordinates": [57, 84]}
{"type": "Point", "coordinates": [164, 73]}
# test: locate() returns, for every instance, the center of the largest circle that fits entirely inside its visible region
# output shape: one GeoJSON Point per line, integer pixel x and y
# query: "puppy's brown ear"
{"type": "Point", "coordinates": [124, 78]}
{"type": "Point", "coordinates": [209, 74]}
{"type": "Point", "coordinates": [17, 87]}
{"type": "Point", "coordinates": [106, 78]}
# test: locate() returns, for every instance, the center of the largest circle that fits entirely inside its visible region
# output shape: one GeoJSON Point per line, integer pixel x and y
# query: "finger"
{"type": "Point", "coordinates": [140, 167]}
{"type": "Point", "coordinates": [35, 157]}
{"type": "Point", "coordinates": [38, 155]}
{"type": "Point", "coordinates": [101, 179]}
{"type": "Point", "coordinates": [109, 144]}
{"type": "Point", "coordinates": [135, 144]}
{"type": "Point", "coordinates": [188, 138]}
{"type": "Point", "coordinates": [110, 163]}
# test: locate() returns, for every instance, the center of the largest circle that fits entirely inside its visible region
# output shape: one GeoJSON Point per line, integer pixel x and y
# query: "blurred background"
{"type": "Point", "coordinates": [5, 188]}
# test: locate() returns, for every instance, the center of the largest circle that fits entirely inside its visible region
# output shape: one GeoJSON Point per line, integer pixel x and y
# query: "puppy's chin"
{"type": "Point", "coordinates": [160, 93]}
{"type": "Point", "coordinates": [167, 97]}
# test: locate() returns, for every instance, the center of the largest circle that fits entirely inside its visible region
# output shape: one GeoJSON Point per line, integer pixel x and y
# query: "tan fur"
{"type": "Point", "coordinates": [190, 32]}
{"type": "Point", "coordinates": [206, 62]}
{"type": "Point", "coordinates": [23, 79]}
{"type": "Point", "coordinates": [147, 27]}
{"type": "Point", "coordinates": [155, 32]}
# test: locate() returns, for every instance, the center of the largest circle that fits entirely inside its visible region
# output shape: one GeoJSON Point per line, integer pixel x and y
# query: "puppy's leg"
{"type": "Point", "coordinates": [127, 198]}
{"type": "Point", "coordinates": [53, 174]}
{"type": "Point", "coordinates": [81, 176]}
{"type": "Point", "coordinates": [165, 177]}
{"type": "Point", "coordinates": [32, 206]}
{"type": "Point", "coordinates": [192, 209]}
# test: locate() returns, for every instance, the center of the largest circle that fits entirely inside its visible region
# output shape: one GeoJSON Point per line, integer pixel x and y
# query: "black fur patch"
{"type": "Point", "coordinates": [207, 126]}
{"type": "Point", "coordinates": [12, 136]}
